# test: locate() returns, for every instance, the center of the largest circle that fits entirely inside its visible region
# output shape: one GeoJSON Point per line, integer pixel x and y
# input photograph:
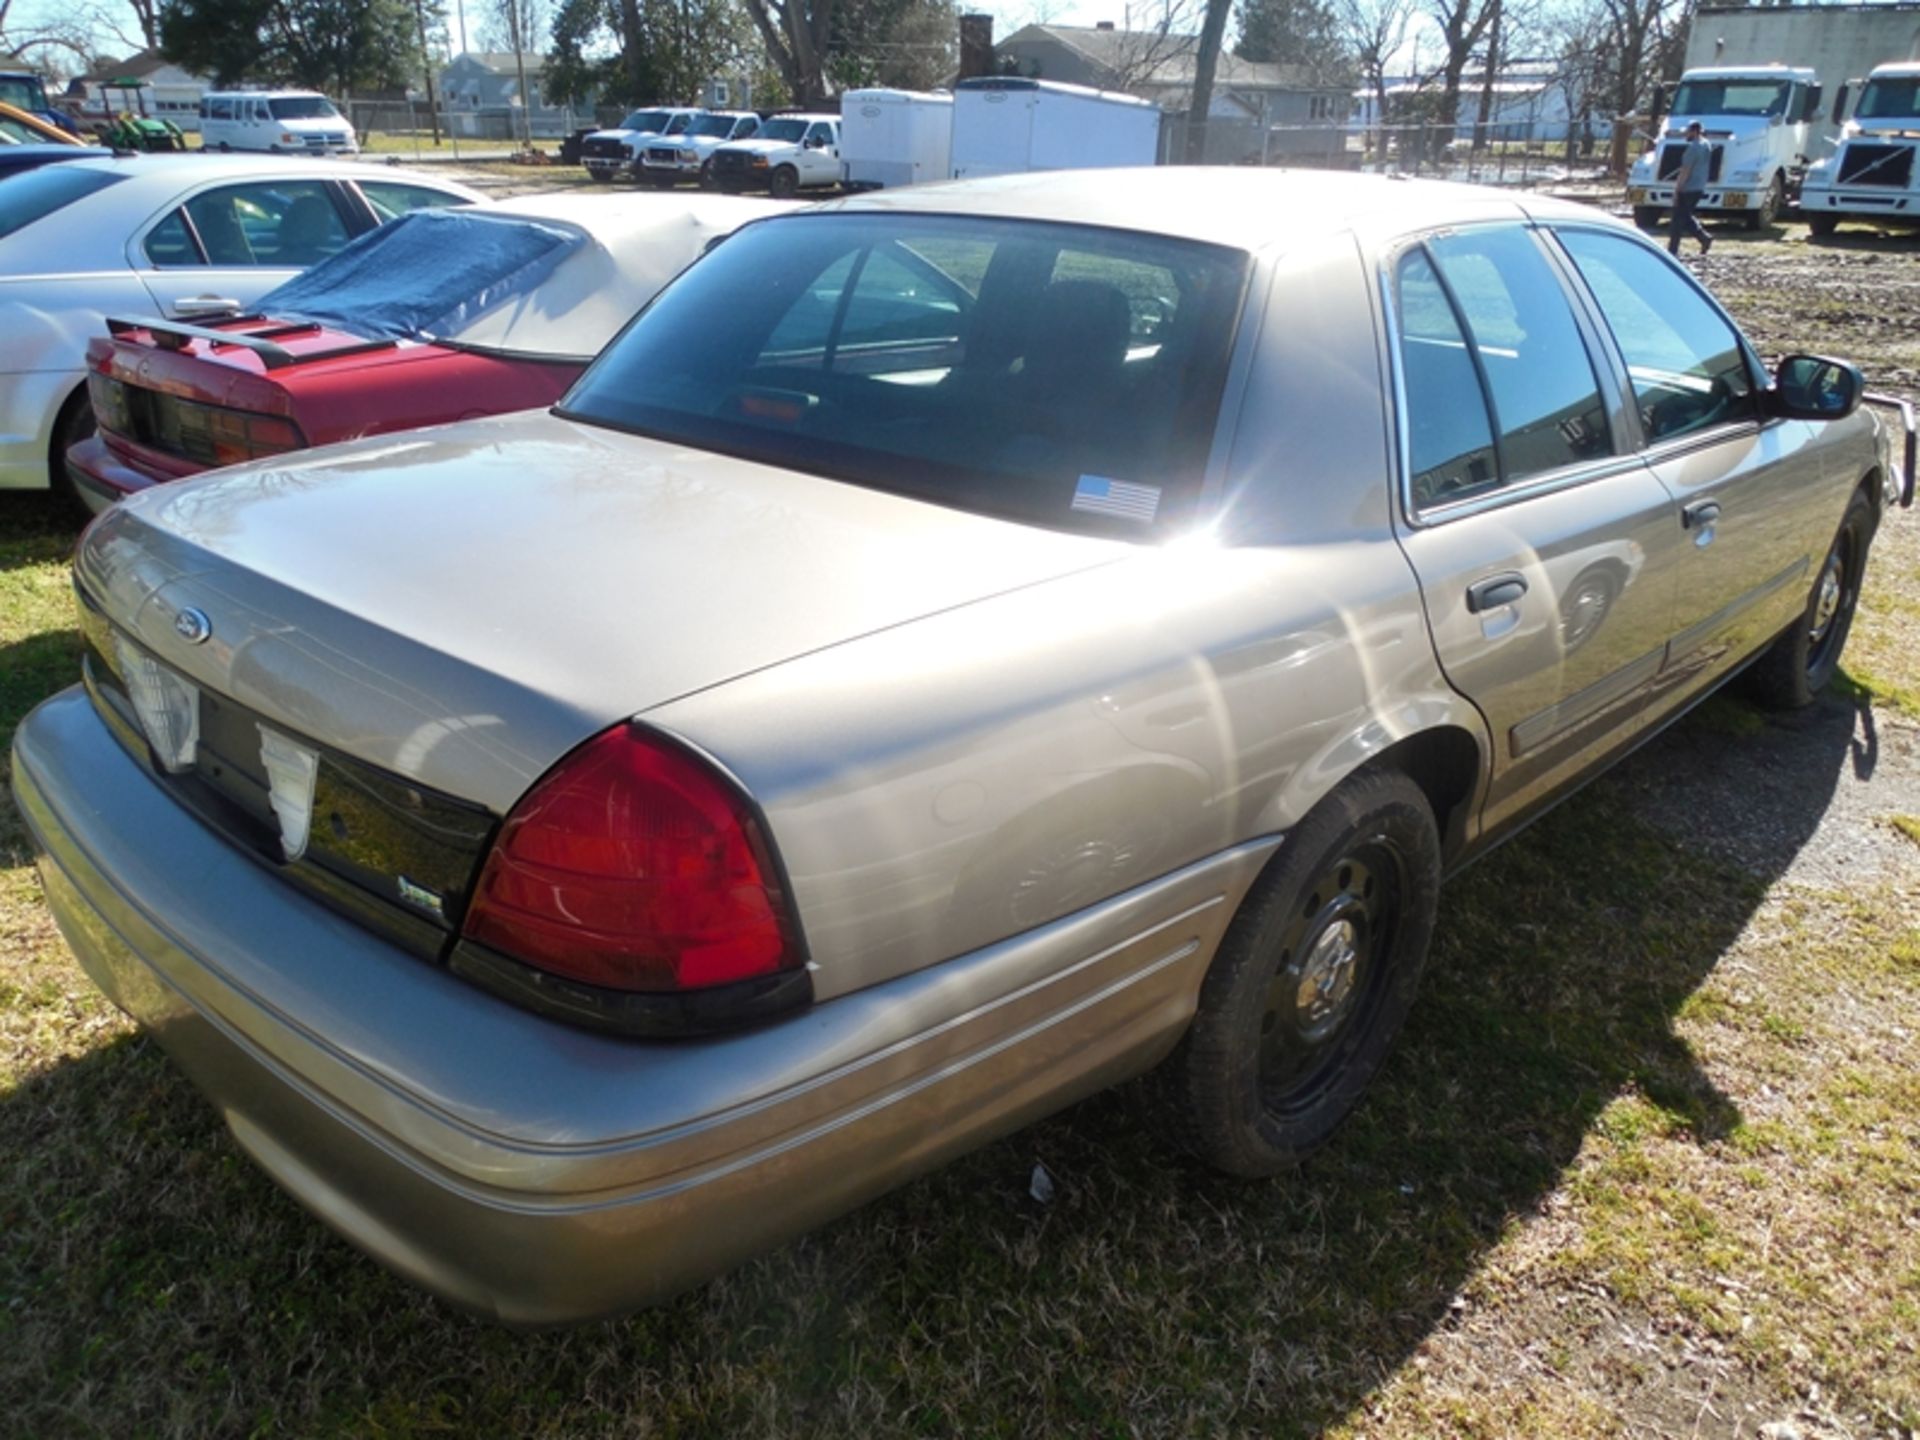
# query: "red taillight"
{"type": "Point", "coordinates": [635, 866]}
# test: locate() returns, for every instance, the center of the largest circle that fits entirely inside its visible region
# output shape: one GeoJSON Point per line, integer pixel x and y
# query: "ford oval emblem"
{"type": "Point", "coordinates": [192, 625]}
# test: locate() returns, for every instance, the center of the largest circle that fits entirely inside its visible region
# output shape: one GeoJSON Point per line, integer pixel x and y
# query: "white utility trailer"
{"type": "Point", "coordinates": [1003, 124]}
{"type": "Point", "coordinates": [890, 138]}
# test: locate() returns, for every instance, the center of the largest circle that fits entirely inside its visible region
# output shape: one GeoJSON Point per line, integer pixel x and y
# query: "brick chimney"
{"type": "Point", "coordinates": [976, 46]}
{"type": "Point", "coordinates": [1103, 25]}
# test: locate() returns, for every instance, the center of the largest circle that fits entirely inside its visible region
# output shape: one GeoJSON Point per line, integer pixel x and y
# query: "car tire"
{"type": "Point", "coordinates": [784, 183]}
{"type": "Point", "coordinates": [1647, 217]}
{"type": "Point", "coordinates": [1792, 671]}
{"type": "Point", "coordinates": [224, 148]}
{"type": "Point", "coordinates": [601, 177]}
{"type": "Point", "coordinates": [706, 175]}
{"type": "Point", "coordinates": [1312, 982]}
{"type": "Point", "coordinates": [73, 424]}
{"type": "Point", "coordinates": [1822, 224]}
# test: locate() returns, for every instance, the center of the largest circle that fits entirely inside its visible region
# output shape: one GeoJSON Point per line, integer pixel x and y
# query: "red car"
{"type": "Point", "coordinates": [441, 315]}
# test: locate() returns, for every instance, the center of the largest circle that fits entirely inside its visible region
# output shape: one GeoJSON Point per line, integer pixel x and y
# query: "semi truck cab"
{"type": "Point", "coordinates": [1758, 121]}
{"type": "Point", "coordinates": [1871, 175]}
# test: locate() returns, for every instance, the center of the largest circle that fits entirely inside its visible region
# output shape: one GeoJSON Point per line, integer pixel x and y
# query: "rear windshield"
{"type": "Point", "coordinates": [1890, 97]}
{"type": "Point", "coordinates": [1058, 374]}
{"type": "Point", "coordinates": [645, 120]}
{"type": "Point", "coordinates": [36, 194]}
{"type": "Point", "coordinates": [304, 107]}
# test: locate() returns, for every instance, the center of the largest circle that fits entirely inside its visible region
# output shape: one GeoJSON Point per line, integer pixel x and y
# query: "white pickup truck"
{"type": "Point", "coordinates": [1871, 175]}
{"type": "Point", "coordinates": [1759, 121]}
{"type": "Point", "coordinates": [787, 154]}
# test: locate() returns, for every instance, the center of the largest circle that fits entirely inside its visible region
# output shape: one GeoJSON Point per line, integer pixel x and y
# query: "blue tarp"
{"type": "Point", "coordinates": [426, 274]}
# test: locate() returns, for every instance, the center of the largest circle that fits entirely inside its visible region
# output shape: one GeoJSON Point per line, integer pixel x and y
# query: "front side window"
{"type": "Point", "coordinates": [390, 198]}
{"type": "Point", "coordinates": [1057, 374]}
{"type": "Point", "coordinates": [678, 125]}
{"type": "Point", "coordinates": [1688, 367]}
{"type": "Point", "coordinates": [745, 126]}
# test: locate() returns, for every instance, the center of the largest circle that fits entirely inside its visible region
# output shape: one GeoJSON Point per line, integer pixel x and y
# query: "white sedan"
{"type": "Point", "coordinates": [184, 236]}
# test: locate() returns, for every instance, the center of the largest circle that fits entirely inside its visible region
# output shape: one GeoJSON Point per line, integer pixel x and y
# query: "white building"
{"type": "Point", "coordinates": [1529, 102]}
{"type": "Point", "coordinates": [167, 92]}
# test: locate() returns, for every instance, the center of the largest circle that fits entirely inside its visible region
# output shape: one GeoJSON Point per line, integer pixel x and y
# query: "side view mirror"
{"type": "Point", "coordinates": [1813, 387]}
{"type": "Point", "coordinates": [815, 143]}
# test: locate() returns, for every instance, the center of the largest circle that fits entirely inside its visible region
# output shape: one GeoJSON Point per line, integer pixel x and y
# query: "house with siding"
{"type": "Point", "coordinates": [483, 99]}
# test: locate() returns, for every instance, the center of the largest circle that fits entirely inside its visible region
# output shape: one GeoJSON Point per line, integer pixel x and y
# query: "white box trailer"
{"type": "Point", "coordinates": [895, 137]}
{"type": "Point", "coordinates": [1004, 125]}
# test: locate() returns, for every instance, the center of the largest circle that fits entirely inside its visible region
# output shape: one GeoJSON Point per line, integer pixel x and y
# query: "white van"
{"type": "Point", "coordinates": [298, 122]}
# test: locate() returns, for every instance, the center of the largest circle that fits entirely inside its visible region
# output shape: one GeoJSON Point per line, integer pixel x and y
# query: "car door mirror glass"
{"type": "Point", "coordinates": [1813, 387]}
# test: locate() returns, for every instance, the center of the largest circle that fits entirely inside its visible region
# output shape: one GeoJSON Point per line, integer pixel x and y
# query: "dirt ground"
{"type": "Point", "coordinates": [1646, 1161]}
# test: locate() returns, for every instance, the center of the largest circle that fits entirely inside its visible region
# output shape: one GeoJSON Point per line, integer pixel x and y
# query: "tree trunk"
{"type": "Point", "coordinates": [1204, 65]}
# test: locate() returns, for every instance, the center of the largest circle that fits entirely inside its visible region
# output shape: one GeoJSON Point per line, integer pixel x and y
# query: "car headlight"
{"type": "Point", "coordinates": [759, 162]}
{"type": "Point", "coordinates": [689, 156]}
{"type": "Point", "coordinates": [627, 150]}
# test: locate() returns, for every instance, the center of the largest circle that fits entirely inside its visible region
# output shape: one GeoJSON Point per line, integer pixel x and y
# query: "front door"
{"type": "Point", "coordinates": [1748, 489]}
{"type": "Point", "coordinates": [1545, 549]}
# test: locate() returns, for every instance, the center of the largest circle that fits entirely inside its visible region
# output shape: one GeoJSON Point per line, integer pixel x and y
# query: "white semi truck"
{"type": "Point", "coordinates": [1871, 176]}
{"type": "Point", "coordinates": [1760, 121]}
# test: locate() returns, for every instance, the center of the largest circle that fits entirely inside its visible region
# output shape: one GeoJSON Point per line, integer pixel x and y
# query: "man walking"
{"type": "Point", "coordinates": [1689, 186]}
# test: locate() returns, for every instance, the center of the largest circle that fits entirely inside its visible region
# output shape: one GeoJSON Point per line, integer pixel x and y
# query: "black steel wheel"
{"type": "Point", "coordinates": [1798, 665]}
{"type": "Point", "coordinates": [784, 183]}
{"type": "Point", "coordinates": [1313, 980]}
{"type": "Point", "coordinates": [1647, 217]}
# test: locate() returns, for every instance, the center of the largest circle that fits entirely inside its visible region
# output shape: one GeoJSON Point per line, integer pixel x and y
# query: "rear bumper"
{"type": "Point", "coordinates": [543, 1174]}
{"type": "Point", "coordinates": [101, 477]}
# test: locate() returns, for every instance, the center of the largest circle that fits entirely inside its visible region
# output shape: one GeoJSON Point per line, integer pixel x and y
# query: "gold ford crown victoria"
{"type": "Point", "coordinates": [957, 649]}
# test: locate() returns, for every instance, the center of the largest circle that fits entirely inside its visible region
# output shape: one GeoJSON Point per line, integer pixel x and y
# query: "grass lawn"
{"type": "Point", "coordinates": [1646, 1162]}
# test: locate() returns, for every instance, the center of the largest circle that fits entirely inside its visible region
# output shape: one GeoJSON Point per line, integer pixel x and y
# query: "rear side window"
{"type": "Point", "coordinates": [170, 244]}
{"type": "Point", "coordinates": [1449, 436]}
{"type": "Point", "coordinates": [285, 224]}
{"type": "Point", "coordinates": [1688, 367]}
{"type": "Point", "coordinates": [38, 193]}
{"type": "Point", "coordinates": [1542, 397]}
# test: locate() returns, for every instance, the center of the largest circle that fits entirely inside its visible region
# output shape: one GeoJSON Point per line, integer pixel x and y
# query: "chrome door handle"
{"type": "Point", "coordinates": [1495, 591]}
{"type": "Point", "coordinates": [205, 305]}
{"type": "Point", "coordinates": [1700, 514]}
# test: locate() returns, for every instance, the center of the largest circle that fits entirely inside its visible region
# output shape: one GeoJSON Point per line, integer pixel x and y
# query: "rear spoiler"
{"type": "Point", "coordinates": [260, 342]}
{"type": "Point", "coordinates": [1911, 455]}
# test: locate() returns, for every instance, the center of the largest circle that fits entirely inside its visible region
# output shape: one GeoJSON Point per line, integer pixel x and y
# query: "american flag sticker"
{"type": "Point", "coordinates": [1098, 495]}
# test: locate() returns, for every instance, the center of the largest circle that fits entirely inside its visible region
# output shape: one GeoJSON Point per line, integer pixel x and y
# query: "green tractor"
{"type": "Point", "coordinates": [133, 128]}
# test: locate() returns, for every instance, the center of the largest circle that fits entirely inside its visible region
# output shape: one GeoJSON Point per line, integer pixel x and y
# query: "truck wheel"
{"type": "Point", "coordinates": [1797, 666]}
{"type": "Point", "coordinates": [783, 183]}
{"type": "Point", "coordinates": [1311, 984]}
{"type": "Point", "coordinates": [1775, 205]}
{"type": "Point", "coordinates": [706, 175]}
{"type": "Point", "coordinates": [1822, 224]}
{"type": "Point", "coordinates": [1647, 217]}
{"type": "Point", "coordinates": [601, 177]}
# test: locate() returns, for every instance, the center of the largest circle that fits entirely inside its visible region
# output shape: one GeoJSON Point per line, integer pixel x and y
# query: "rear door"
{"type": "Point", "coordinates": [1545, 548]}
{"type": "Point", "coordinates": [1748, 487]}
{"type": "Point", "coordinates": [228, 245]}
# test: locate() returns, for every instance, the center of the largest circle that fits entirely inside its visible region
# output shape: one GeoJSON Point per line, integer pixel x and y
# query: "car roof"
{"type": "Point", "coordinates": [1772, 71]}
{"type": "Point", "coordinates": [1244, 208]}
{"type": "Point", "coordinates": [159, 173]}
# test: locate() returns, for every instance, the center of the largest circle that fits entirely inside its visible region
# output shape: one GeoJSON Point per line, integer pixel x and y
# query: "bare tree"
{"type": "Point", "coordinates": [1374, 32]}
{"type": "Point", "coordinates": [796, 33]}
{"type": "Point", "coordinates": [1462, 24]}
